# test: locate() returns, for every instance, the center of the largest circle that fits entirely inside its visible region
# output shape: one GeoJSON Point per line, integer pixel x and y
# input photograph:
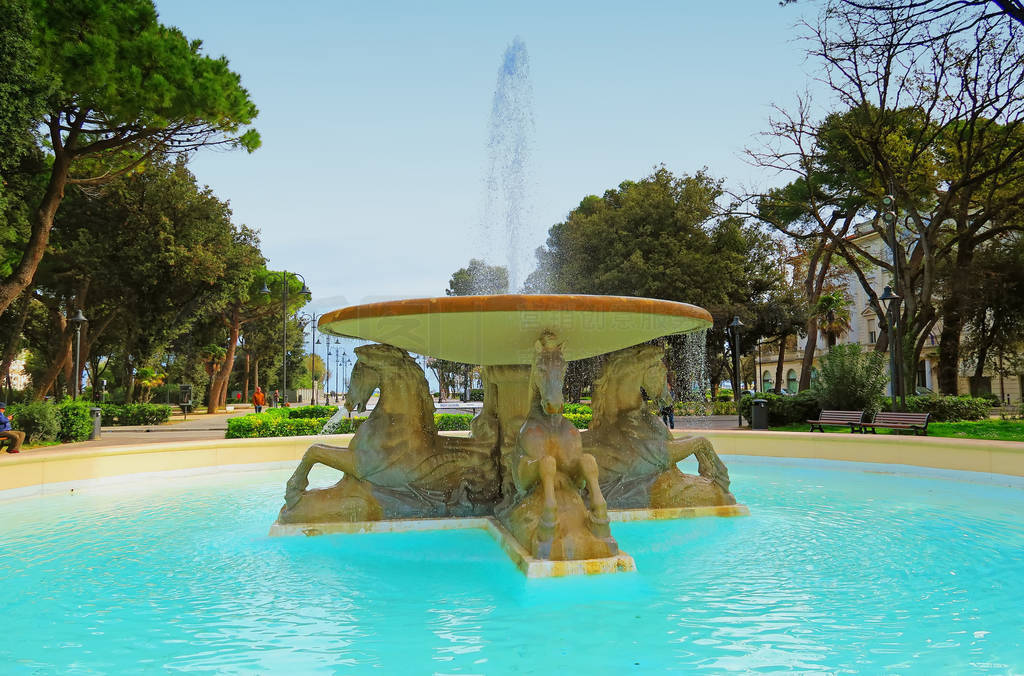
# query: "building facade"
{"type": "Point", "coordinates": [864, 330]}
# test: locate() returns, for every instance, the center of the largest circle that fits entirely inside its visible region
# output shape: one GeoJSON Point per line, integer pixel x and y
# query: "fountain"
{"type": "Point", "coordinates": [546, 491]}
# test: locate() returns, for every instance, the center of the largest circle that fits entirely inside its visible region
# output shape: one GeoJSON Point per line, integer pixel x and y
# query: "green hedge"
{"type": "Point", "coordinates": [270, 424]}
{"type": "Point", "coordinates": [783, 409]}
{"type": "Point", "coordinates": [43, 421]}
{"type": "Point", "coordinates": [577, 408]}
{"type": "Point", "coordinates": [950, 409]}
{"type": "Point", "coordinates": [310, 411]}
{"type": "Point", "coordinates": [134, 414]}
{"type": "Point", "coordinates": [579, 420]}
{"type": "Point", "coordinates": [693, 408]}
{"type": "Point", "coordinates": [37, 419]}
{"type": "Point", "coordinates": [74, 421]}
{"type": "Point", "coordinates": [448, 422]}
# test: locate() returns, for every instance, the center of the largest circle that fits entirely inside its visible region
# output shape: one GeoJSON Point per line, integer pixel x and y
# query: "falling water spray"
{"type": "Point", "coordinates": [507, 212]}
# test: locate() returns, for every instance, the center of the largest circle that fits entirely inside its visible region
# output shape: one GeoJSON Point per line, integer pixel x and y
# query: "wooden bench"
{"type": "Point", "coordinates": [916, 422]}
{"type": "Point", "coordinates": [839, 418]}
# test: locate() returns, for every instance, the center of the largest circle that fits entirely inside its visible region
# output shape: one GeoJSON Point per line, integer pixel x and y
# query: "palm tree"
{"type": "Point", "coordinates": [833, 312]}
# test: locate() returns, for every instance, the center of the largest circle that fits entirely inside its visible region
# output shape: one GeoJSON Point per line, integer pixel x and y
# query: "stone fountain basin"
{"type": "Point", "coordinates": [501, 329]}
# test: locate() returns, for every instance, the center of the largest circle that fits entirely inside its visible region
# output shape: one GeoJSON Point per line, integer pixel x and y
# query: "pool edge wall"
{"type": "Point", "coordinates": [32, 472]}
{"type": "Point", "coordinates": [971, 455]}
{"type": "Point", "coordinates": [48, 467]}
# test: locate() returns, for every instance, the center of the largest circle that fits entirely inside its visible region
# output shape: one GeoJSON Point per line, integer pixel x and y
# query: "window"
{"type": "Point", "coordinates": [792, 382]}
{"type": "Point", "coordinates": [766, 381]}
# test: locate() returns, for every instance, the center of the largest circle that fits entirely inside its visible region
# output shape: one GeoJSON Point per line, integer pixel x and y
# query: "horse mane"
{"type": "Point", "coordinates": [617, 365]}
{"type": "Point", "coordinates": [408, 371]}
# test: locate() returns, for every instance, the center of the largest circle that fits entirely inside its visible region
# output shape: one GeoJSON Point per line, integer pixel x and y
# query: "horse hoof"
{"type": "Point", "coordinates": [542, 549]}
{"type": "Point", "coordinates": [292, 498]}
{"type": "Point", "coordinates": [600, 528]}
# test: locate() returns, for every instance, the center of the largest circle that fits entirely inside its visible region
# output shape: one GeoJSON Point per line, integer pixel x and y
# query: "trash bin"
{"type": "Point", "coordinates": [759, 414]}
{"type": "Point", "coordinates": [97, 420]}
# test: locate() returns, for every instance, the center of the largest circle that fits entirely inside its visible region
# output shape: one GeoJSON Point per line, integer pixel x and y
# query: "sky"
{"type": "Point", "coordinates": [374, 118]}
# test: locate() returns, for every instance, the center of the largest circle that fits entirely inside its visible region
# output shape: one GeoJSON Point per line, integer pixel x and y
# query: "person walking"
{"type": "Point", "coordinates": [668, 416]}
{"type": "Point", "coordinates": [259, 400]}
{"type": "Point", "coordinates": [277, 398]}
{"type": "Point", "coordinates": [11, 437]}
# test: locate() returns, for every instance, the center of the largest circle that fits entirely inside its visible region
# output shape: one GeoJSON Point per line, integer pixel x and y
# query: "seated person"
{"type": "Point", "coordinates": [12, 438]}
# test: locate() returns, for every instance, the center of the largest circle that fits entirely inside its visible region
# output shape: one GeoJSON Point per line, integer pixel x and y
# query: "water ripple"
{"type": "Point", "coordinates": [835, 571]}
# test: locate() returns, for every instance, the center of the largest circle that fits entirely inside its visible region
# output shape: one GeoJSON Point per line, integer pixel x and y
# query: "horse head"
{"type": "Point", "coordinates": [655, 381]}
{"type": "Point", "coordinates": [366, 375]}
{"type": "Point", "coordinates": [361, 385]}
{"type": "Point", "coordinates": [548, 372]}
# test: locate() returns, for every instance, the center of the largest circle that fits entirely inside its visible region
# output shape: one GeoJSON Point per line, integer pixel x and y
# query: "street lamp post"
{"type": "Point", "coordinates": [344, 369]}
{"type": "Point", "coordinates": [892, 302]}
{"type": "Point", "coordinates": [889, 218]}
{"type": "Point", "coordinates": [313, 342]}
{"type": "Point", "coordinates": [327, 368]}
{"type": "Point", "coordinates": [77, 320]}
{"type": "Point", "coordinates": [284, 322]}
{"type": "Point", "coordinates": [735, 326]}
{"type": "Point", "coordinates": [337, 377]}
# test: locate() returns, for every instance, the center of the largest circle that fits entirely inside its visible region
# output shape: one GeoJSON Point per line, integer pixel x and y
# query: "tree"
{"type": "Point", "coordinates": [833, 311]}
{"type": "Point", "coordinates": [145, 257]}
{"type": "Point", "coordinates": [954, 16]}
{"type": "Point", "coordinates": [665, 237]}
{"type": "Point", "coordinates": [995, 310]}
{"type": "Point", "coordinates": [934, 123]}
{"type": "Point", "coordinates": [851, 380]}
{"type": "Point", "coordinates": [125, 89]}
{"type": "Point", "coordinates": [148, 378]}
{"type": "Point", "coordinates": [478, 279]}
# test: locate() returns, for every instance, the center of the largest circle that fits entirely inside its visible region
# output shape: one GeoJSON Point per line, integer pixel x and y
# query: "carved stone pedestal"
{"type": "Point", "coordinates": [569, 537]}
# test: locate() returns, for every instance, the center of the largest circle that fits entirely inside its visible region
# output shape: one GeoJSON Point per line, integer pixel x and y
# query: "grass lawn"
{"type": "Point", "coordinates": [1001, 430]}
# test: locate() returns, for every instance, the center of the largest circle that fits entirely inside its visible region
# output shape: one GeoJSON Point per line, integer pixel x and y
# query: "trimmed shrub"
{"type": "Point", "coordinates": [74, 421]}
{"type": "Point", "coordinates": [37, 419]}
{"type": "Point", "coordinates": [476, 395]}
{"type": "Point", "coordinates": [577, 408]}
{"type": "Point", "coordinates": [310, 411]}
{"type": "Point", "coordinates": [950, 409]}
{"type": "Point", "coordinates": [580, 421]}
{"type": "Point", "coordinates": [452, 421]}
{"type": "Point", "coordinates": [267, 424]}
{"type": "Point", "coordinates": [108, 417]}
{"type": "Point", "coordinates": [851, 379]}
{"type": "Point", "coordinates": [260, 425]}
{"type": "Point", "coordinates": [699, 408]}
{"type": "Point", "coordinates": [144, 414]}
{"type": "Point", "coordinates": [134, 414]}
{"type": "Point", "coordinates": [782, 409]}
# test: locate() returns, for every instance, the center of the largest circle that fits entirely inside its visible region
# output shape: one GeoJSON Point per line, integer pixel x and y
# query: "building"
{"type": "Point", "coordinates": [864, 330]}
{"type": "Point", "coordinates": [19, 379]}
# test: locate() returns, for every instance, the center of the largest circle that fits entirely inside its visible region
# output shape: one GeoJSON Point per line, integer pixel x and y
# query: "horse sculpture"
{"type": "Point", "coordinates": [636, 453]}
{"type": "Point", "coordinates": [396, 465]}
{"type": "Point", "coordinates": [549, 469]}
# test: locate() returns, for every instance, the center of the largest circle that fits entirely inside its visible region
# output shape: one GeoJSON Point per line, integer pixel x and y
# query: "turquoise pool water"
{"type": "Point", "coordinates": [835, 571]}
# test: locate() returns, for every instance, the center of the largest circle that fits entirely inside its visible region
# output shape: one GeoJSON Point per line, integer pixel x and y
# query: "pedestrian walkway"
{"type": "Point", "coordinates": [197, 427]}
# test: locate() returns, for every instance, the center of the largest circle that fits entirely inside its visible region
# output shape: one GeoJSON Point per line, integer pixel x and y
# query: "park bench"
{"type": "Point", "coordinates": [838, 418]}
{"type": "Point", "coordinates": [917, 422]}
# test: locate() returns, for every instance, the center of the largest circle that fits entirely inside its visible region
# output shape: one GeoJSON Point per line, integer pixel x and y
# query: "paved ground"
{"type": "Point", "coordinates": [197, 427]}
